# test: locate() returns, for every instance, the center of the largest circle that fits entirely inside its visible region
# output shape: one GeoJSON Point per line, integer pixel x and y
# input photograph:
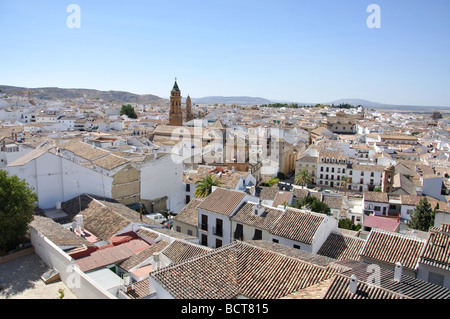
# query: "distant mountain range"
{"type": "Point", "coordinates": [238, 100]}
{"type": "Point", "coordinates": [54, 93]}
{"type": "Point", "coordinates": [381, 106]}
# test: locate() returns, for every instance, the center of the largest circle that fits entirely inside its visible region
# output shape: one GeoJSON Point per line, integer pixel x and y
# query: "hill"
{"type": "Point", "coordinates": [53, 93]}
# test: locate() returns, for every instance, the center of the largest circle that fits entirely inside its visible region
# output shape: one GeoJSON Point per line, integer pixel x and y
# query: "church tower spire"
{"type": "Point", "coordinates": [175, 114]}
{"type": "Point", "coordinates": [189, 115]}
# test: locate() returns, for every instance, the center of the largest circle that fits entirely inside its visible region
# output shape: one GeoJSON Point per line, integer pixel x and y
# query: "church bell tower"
{"type": "Point", "coordinates": [175, 114]}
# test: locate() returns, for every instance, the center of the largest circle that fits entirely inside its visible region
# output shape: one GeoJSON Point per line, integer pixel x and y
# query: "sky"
{"type": "Point", "coordinates": [303, 51]}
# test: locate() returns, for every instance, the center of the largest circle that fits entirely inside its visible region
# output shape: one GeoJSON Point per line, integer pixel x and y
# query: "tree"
{"type": "Point", "coordinates": [345, 180]}
{"type": "Point", "coordinates": [422, 218]}
{"type": "Point", "coordinates": [204, 186]}
{"type": "Point", "coordinates": [346, 223]}
{"type": "Point", "coordinates": [303, 178]}
{"type": "Point", "coordinates": [128, 110]}
{"type": "Point", "coordinates": [314, 204]}
{"type": "Point", "coordinates": [17, 203]}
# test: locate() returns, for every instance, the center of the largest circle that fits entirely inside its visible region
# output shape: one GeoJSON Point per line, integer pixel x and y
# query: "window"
{"type": "Point", "coordinates": [239, 232]}
{"type": "Point", "coordinates": [189, 232]}
{"type": "Point", "coordinates": [218, 243]}
{"type": "Point", "coordinates": [204, 223]}
{"type": "Point", "coordinates": [178, 228]}
{"type": "Point", "coordinates": [218, 230]}
{"type": "Point", "coordinates": [188, 187]}
{"type": "Point", "coordinates": [257, 235]}
{"type": "Point", "coordinates": [204, 240]}
{"type": "Point", "coordinates": [188, 199]}
{"type": "Point", "coordinates": [275, 240]}
{"type": "Point", "coordinates": [296, 246]}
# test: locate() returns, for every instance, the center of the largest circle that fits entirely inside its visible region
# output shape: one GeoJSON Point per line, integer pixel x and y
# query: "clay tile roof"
{"type": "Point", "coordinates": [391, 248]}
{"type": "Point", "coordinates": [340, 247]}
{"type": "Point", "coordinates": [408, 288]}
{"type": "Point", "coordinates": [437, 248]}
{"type": "Point", "coordinates": [376, 197]}
{"type": "Point", "coordinates": [333, 202]}
{"type": "Point", "coordinates": [381, 222]}
{"type": "Point", "coordinates": [222, 201]}
{"type": "Point", "coordinates": [110, 161]}
{"type": "Point", "coordinates": [268, 193]}
{"type": "Point", "coordinates": [38, 152]}
{"type": "Point", "coordinates": [57, 233]}
{"type": "Point", "coordinates": [298, 225]}
{"type": "Point", "coordinates": [83, 150]}
{"type": "Point", "coordinates": [179, 251]}
{"type": "Point", "coordinates": [282, 198]}
{"type": "Point", "coordinates": [141, 257]}
{"type": "Point", "coordinates": [103, 218]}
{"type": "Point", "coordinates": [239, 269]}
{"type": "Point", "coordinates": [265, 221]}
{"type": "Point", "coordinates": [188, 214]}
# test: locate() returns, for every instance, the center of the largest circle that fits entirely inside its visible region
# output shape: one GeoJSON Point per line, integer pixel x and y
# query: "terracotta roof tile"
{"type": "Point", "coordinates": [239, 269]}
{"type": "Point", "coordinates": [341, 247]}
{"type": "Point", "coordinates": [437, 248]}
{"type": "Point", "coordinates": [391, 248]}
{"type": "Point", "coordinates": [298, 225]}
{"type": "Point", "coordinates": [222, 201]}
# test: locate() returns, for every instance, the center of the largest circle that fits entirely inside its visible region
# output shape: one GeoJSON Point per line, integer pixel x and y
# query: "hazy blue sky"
{"type": "Point", "coordinates": [305, 51]}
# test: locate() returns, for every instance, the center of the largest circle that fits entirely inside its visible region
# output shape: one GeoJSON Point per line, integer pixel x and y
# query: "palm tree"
{"type": "Point", "coordinates": [204, 186]}
{"type": "Point", "coordinates": [303, 177]}
{"type": "Point", "coordinates": [345, 180]}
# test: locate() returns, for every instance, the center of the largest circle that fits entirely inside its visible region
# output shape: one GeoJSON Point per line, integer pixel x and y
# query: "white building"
{"type": "Point", "coordinates": [56, 179]}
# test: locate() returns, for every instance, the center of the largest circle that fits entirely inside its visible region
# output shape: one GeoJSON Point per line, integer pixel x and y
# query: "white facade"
{"type": "Point", "coordinates": [56, 179]}
{"type": "Point", "coordinates": [433, 275]}
{"type": "Point", "coordinates": [328, 225]}
{"type": "Point", "coordinates": [10, 152]}
{"type": "Point", "coordinates": [163, 177]}
{"type": "Point", "coordinates": [432, 186]}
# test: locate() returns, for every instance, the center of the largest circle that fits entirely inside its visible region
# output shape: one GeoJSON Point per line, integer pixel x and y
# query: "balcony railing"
{"type": "Point", "coordinates": [203, 226]}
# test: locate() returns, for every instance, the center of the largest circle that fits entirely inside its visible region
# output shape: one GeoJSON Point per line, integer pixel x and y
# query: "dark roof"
{"type": "Point", "coordinates": [340, 247]}
{"type": "Point", "coordinates": [175, 87]}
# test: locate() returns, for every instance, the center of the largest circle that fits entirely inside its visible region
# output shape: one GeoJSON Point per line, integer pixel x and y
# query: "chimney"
{"type": "Point", "coordinates": [258, 209]}
{"type": "Point", "coordinates": [126, 286]}
{"type": "Point", "coordinates": [398, 271]}
{"type": "Point", "coordinates": [155, 263]}
{"type": "Point", "coordinates": [79, 219]}
{"type": "Point", "coordinates": [353, 284]}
